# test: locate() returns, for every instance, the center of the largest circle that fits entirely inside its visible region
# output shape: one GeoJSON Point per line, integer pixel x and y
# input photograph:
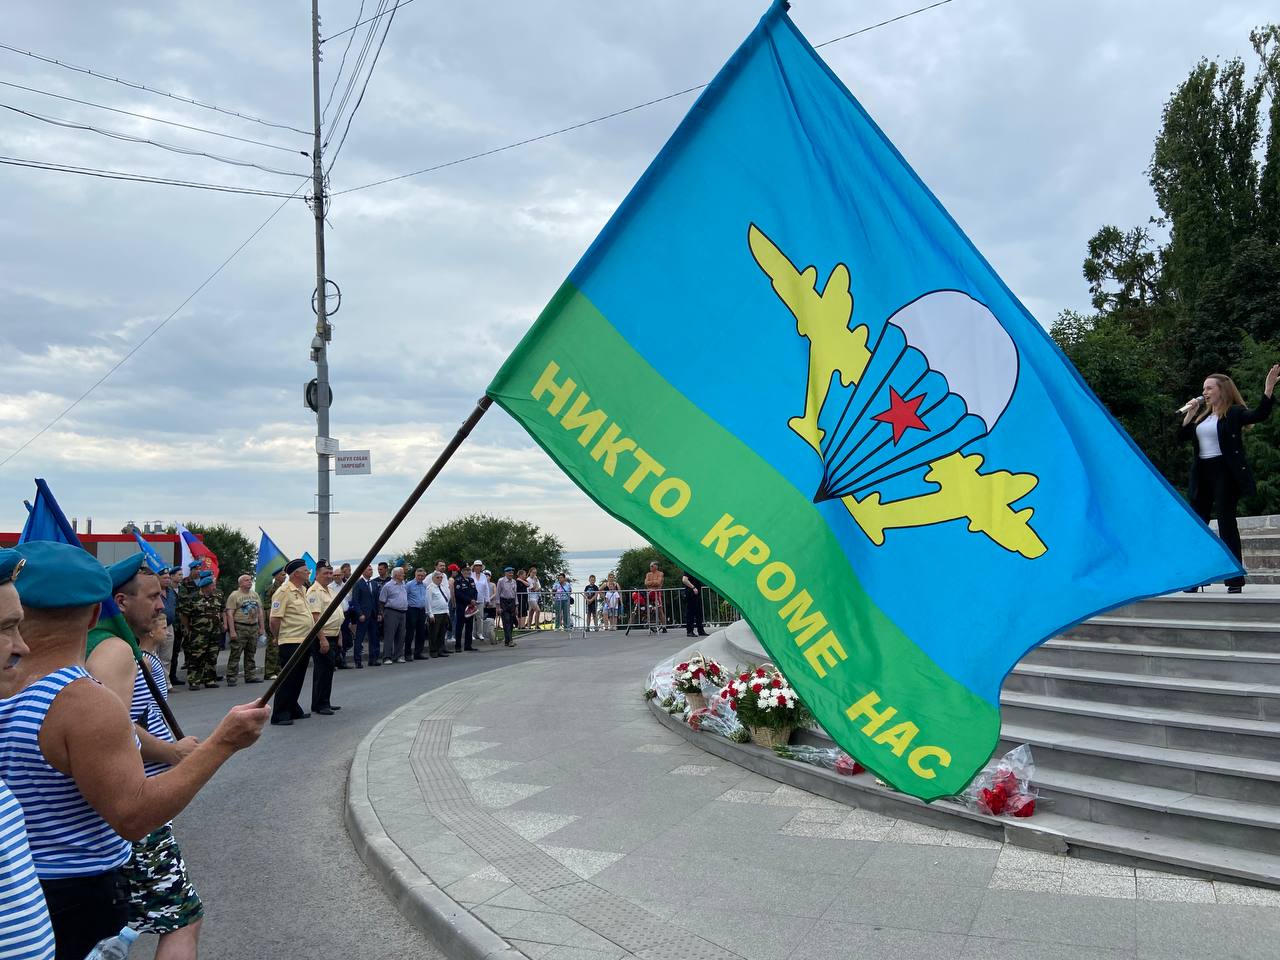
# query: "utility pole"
{"type": "Point", "coordinates": [324, 332]}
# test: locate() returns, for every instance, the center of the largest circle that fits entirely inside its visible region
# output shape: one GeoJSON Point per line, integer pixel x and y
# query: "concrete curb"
{"type": "Point", "coordinates": [450, 926]}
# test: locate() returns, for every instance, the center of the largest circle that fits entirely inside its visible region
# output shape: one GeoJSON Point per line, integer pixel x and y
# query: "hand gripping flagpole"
{"type": "Point", "coordinates": [304, 648]}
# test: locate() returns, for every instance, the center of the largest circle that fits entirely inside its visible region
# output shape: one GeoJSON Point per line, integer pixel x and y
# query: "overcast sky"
{"type": "Point", "coordinates": [1032, 122]}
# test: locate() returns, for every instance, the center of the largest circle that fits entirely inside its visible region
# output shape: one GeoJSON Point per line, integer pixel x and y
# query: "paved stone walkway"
{"type": "Point", "coordinates": [558, 812]}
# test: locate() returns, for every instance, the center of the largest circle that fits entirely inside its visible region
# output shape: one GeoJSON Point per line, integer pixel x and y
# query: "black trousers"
{"type": "Point", "coordinates": [1216, 493]}
{"type": "Point", "coordinates": [693, 611]}
{"type": "Point", "coordinates": [438, 627]}
{"type": "Point", "coordinates": [415, 632]}
{"type": "Point", "coordinates": [508, 610]}
{"type": "Point", "coordinates": [461, 629]}
{"type": "Point", "coordinates": [84, 910]}
{"type": "Point", "coordinates": [286, 705]}
{"type": "Point", "coordinates": [322, 679]}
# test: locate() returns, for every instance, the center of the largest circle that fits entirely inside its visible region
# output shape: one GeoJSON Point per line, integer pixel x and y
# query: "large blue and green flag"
{"type": "Point", "coordinates": [784, 363]}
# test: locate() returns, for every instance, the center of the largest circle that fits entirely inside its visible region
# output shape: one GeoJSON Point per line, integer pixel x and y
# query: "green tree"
{"type": "Point", "coordinates": [499, 541]}
{"type": "Point", "coordinates": [236, 553]}
{"type": "Point", "coordinates": [1262, 440]}
{"type": "Point", "coordinates": [634, 564]}
{"type": "Point", "coordinates": [1207, 299]}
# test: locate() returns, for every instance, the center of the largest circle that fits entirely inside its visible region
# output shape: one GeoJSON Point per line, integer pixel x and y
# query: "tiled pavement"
{"type": "Point", "coordinates": [577, 828]}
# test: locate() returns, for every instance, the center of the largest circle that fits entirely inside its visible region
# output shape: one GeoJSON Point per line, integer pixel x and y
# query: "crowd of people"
{"type": "Point", "coordinates": [93, 764]}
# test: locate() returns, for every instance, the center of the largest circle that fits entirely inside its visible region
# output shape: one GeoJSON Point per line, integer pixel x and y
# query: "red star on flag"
{"type": "Point", "coordinates": [902, 415]}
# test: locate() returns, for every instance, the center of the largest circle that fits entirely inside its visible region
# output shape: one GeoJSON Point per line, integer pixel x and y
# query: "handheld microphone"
{"type": "Point", "coordinates": [1191, 404]}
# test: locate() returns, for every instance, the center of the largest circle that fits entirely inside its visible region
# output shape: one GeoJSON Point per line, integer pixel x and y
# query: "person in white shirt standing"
{"type": "Point", "coordinates": [484, 594]}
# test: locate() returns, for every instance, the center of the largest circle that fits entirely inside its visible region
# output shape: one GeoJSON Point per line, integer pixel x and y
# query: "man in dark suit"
{"type": "Point", "coordinates": [375, 620]}
{"type": "Point", "coordinates": [362, 612]}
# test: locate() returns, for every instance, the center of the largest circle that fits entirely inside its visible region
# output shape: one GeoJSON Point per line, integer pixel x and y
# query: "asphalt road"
{"type": "Point", "coordinates": [265, 840]}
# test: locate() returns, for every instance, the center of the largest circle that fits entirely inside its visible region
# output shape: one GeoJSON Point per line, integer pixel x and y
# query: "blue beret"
{"type": "Point", "coordinates": [125, 570]}
{"type": "Point", "coordinates": [59, 575]}
{"type": "Point", "coordinates": [204, 579]}
{"type": "Point", "coordinates": [195, 564]}
{"type": "Point", "coordinates": [173, 571]}
{"type": "Point", "coordinates": [10, 563]}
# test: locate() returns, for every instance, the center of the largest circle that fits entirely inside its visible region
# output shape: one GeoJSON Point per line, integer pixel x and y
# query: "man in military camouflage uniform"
{"type": "Point", "coordinates": [204, 622]}
{"type": "Point", "coordinates": [186, 588]}
{"type": "Point", "coordinates": [271, 668]}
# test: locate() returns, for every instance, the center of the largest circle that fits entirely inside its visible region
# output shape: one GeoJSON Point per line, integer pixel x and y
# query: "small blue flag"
{"type": "Point", "coordinates": [153, 558]}
{"type": "Point", "coordinates": [46, 521]}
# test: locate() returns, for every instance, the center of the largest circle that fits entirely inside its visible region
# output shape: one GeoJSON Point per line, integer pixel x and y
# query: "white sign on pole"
{"type": "Point", "coordinates": [352, 463]}
{"type": "Point", "coordinates": [326, 446]}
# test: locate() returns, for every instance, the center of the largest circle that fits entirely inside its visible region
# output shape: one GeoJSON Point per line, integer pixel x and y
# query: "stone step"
{"type": "Point", "coordinates": [1196, 858]}
{"type": "Point", "coordinates": [1256, 561]}
{"type": "Point", "coordinates": [1204, 606]}
{"type": "Point", "coordinates": [1239, 635]}
{"type": "Point", "coordinates": [1157, 726]}
{"type": "Point", "coordinates": [1189, 771]}
{"type": "Point", "coordinates": [1171, 813]}
{"type": "Point", "coordinates": [1225, 698]}
{"type": "Point", "coordinates": [1159, 660]}
{"type": "Point", "coordinates": [1047, 830]}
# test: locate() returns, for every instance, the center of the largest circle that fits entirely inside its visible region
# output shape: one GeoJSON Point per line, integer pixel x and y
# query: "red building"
{"type": "Point", "coordinates": [110, 547]}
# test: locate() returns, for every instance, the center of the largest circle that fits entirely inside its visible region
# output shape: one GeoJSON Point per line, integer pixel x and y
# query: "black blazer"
{"type": "Point", "coordinates": [362, 597]}
{"type": "Point", "coordinates": [1231, 440]}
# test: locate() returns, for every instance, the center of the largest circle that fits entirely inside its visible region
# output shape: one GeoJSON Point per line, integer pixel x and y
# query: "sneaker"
{"type": "Point", "coordinates": [231, 683]}
{"type": "Point", "coordinates": [400, 660]}
{"type": "Point", "coordinates": [271, 676]}
{"type": "Point", "coordinates": [252, 680]}
{"type": "Point", "coordinates": [387, 660]}
{"type": "Point", "coordinates": [216, 684]}
{"type": "Point", "coordinates": [194, 686]}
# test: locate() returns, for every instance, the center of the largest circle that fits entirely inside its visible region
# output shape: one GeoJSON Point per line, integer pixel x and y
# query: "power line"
{"type": "Point", "coordinates": [156, 329]}
{"type": "Point", "coordinates": [129, 138]}
{"type": "Point", "coordinates": [356, 70]}
{"type": "Point", "coordinates": [520, 143]}
{"type": "Point", "coordinates": [882, 23]}
{"type": "Point", "coordinates": [139, 177]}
{"type": "Point", "coordinates": [359, 100]}
{"type": "Point", "coordinates": [143, 116]}
{"type": "Point", "coordinates": [383, 13]}
{"type": "Point", "coordinates": [152, 90]}
{"type": "Point", "coordinates": [615, 113]}
{"type": "Point", "coordinates": [341, 66]}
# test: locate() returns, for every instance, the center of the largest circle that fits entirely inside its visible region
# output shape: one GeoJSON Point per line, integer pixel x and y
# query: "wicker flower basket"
{"type": "Point", "coordinates": [696, 701]}
{"type": "Point", "coordinates": [770, 737]}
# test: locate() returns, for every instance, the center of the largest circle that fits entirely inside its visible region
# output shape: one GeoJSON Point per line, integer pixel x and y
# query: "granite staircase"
{"type": "Point", "coordinates": [1155, 731]}
{"type": "Point", "coordinates": [1156, 728]}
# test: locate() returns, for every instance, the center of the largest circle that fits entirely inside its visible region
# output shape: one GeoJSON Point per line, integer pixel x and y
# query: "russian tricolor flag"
{"type": "Point", "coordinates": [194, 549]}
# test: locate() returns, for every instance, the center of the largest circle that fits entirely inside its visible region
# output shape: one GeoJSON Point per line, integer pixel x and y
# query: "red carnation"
{"type": "Point", "coordinates": [777, 682]}
{"type": "Point", "coordinates": [744, 676]}
{"type": "Point", "coordinates": [759, 671]}
{"type": "Point", "coordinates": [756, 687]}
{"type": "Point", "coordinates": [733, 704]}
{"type": "Point", "coordinates": [683, 666]}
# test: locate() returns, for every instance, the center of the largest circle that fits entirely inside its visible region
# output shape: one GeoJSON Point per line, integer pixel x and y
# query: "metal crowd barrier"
{"type": "Point", "coordinates": [654, 611]}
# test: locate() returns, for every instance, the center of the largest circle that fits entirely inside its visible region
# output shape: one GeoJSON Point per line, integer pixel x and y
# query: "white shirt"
{"type": "Point", "coordinates": [1207, 437]}
{"type": "Point", "coordinates": [484, 589]}
{"type": "Point", "coordinates": [437, 597]}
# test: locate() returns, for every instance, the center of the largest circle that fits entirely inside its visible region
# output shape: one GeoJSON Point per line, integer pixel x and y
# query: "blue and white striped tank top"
{"type": "Point", "coordinates": [67, 837]}
{"type": "Point", "coordinates": [143, 709]}
{"type": "Point", "coordinates": [25, 933]}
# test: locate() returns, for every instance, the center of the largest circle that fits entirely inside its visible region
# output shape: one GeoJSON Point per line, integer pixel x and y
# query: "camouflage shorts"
{"type": "Point", "coordinates": [161, 897]}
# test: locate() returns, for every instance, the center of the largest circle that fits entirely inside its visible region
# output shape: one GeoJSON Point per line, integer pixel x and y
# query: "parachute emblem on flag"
{"type": "Point", "coordinates": [876, 411]}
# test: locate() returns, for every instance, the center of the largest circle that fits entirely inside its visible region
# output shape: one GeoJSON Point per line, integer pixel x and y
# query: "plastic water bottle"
{"type": "Point", "coordinates": [114, 948]}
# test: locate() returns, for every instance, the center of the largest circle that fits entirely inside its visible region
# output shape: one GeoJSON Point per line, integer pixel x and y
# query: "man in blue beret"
{"type": "Point", "coordinates": [162, 899]}
{"type": "Point", "coordinates": [25, 930]}
{"type": "Point", "coordinates": [204, 623]}
{"type": "Point", "coordinates": [187, 591]}
{"type": "Point", "coordinates": [83, 790]}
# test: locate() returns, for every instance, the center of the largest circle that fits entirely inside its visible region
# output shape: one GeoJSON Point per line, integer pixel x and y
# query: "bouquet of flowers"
{"type": "Point", "coordinates": [1004, 787]}
{"type": "Point", "coordinates": [688, 676]}
{"type": "Point", "coordinates": [764, 701]}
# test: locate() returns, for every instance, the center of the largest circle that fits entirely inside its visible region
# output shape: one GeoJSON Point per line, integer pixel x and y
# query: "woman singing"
{"type": "Point", "coordinates": [1220, 476]}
